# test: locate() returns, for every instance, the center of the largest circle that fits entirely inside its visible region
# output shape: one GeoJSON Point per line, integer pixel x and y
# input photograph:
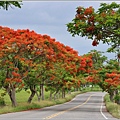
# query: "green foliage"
{"type": "Point", "coordinates": [101, 25]}
{"type": "Point", "coordinates": [2, 77]}
{"type": "Point", "coordinates": [98, 58]}
{"type": "Point", "coordinates": [117, 97]}
{"type": "Point", "coordinates": [112, 65]}
{"type": "Point", "coordinates": [6, 4]}
{"type": "Point", "coordinates": [2, 102]}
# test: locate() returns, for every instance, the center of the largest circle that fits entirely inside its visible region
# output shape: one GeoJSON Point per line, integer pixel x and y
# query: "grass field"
{"type": "Point", "coordinates": [22, 96]}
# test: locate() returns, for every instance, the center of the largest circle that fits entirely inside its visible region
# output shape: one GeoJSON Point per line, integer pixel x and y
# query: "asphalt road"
{"type": "Point", "coordinates": [87, 106]}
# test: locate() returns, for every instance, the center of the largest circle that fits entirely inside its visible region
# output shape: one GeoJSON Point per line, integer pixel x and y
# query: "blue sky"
{"type": "Point", "coordinates": [51, 17]}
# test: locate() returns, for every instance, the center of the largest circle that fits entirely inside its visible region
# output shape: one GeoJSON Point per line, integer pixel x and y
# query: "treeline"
{"type": "Point", "coordinates": [30, 61]}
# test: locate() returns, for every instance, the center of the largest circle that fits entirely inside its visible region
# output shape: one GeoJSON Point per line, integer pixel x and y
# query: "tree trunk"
{"type": "Point", "coordinates": [11, 90]}
{"type": "Point", "coordinates": [111, 96]}
{"type": "Point", "coordinates": [38, 96]}
{"type": "Point", "coordinates": [32, 89]}
{"type": "Point", "coordinates": [12, 93]}
{"type": "Point", "coordinates": [50, 95]}
{"type": "Point", "coordinates": [63, 93]}
{"type": "Point", "coordinates": [118, 99]}
{"type": "Point", "coordinates": [56, 94]}
{"type": "Point", "coordinates": [42, 91]}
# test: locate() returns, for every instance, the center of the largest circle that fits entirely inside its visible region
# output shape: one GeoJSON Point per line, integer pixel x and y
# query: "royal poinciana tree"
{"type": "Point", "coordinates": [98, 62]}
{"type": "Point", "coordinates": [101, 25]}
{"type": "Point", "coordinates": [32, 61]}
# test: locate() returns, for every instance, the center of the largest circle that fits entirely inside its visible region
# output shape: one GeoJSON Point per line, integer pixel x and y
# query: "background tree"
{"type": "Point", "coordinates": [33, 61]}
{"type": "Point", "coordinates": [101, 25]}
{"type": "Point", "coordinates": [6, 4]}
{"type": "Point", "coordinates": [98, 58]}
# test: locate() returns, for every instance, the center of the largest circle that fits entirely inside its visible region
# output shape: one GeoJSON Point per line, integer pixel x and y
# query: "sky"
{"type": "Point", "coordinates": [51, 17]}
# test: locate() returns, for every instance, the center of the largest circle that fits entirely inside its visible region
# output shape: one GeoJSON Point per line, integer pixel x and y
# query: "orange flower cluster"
{"type": "Point", "coordinates": [95, 43]}
{"type": "Point", "coordinates": [91, 19]}
{"type": "Point", "coordinates": [15, 74]}
{"type": "Point", "coordinates": [113, 79]}
{"type": "Point", "coordinates": [88, 11]}
{"type": "Point", "coordinates": [90, 29]}
{"type": "Point", "coordinates": [103, 14]}
{"type": "Point", "coordinates": [93, 79]}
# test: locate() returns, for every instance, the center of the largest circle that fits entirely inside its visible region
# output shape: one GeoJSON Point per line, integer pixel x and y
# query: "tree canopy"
{"type": "Point", "coordinates": [101, 25]}
{"type": "Point", "coordinates": [6, 4]}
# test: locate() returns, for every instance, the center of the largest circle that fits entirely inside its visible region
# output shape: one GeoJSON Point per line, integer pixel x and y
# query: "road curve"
{"type": "Point", "coordinates": [87, 106]}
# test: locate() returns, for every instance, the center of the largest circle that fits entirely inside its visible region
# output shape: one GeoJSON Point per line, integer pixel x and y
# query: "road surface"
{"type": "Point", "coordinates": [87, 106]}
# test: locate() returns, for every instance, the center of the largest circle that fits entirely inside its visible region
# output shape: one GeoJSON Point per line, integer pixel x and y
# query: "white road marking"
{"type": "Point", "coordinates": [101, 109]}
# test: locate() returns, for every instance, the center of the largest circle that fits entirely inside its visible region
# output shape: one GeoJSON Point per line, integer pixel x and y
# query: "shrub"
{"type": "Point", "coordinates": [117, 98]}
{"type": "Point", "coordinates": [2, 102]}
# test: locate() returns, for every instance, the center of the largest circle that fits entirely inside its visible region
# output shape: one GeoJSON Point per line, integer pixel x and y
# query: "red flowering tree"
{"type": "Point", "coordinates": [9, 64]}
{"type": "Point", "coordinates": [21, 52]}
{"type": "Point", "coordinates": [109, 79]}
{"type": "Point", "coordinates": [34, 60]}
{"type": "Point", "coordinates": [101, 25]}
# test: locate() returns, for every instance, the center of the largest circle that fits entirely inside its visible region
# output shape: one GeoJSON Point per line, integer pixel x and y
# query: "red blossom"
{"type": "Point", "coordinates": [95, 43]}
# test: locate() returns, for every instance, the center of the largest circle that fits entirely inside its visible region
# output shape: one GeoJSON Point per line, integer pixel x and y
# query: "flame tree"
{"type": "Point", "coordinates": [30, 60]}
{"type": "Point", "coordinates": [101, 25]}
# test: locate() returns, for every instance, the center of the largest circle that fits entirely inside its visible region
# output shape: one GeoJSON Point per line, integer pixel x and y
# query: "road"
{"type": "Point", "coordinates": [87, 106]}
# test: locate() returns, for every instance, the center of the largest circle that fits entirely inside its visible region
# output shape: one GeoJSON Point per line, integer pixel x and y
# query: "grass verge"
{"type": "Point", "coordinates": [112, 108]}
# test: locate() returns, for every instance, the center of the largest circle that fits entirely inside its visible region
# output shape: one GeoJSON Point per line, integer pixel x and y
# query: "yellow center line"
{"type": "Point", "coordinates": [59, 113]}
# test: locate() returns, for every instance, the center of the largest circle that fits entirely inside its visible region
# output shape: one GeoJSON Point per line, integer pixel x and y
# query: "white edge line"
{"type": "Point", "coordinates": [101, 109]}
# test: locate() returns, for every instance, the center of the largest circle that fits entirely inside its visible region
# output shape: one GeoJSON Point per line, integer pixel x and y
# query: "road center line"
{"type": "Point", "coordinates": [59, 113]}
{"type": "Point", "coordinates": [101, 109]}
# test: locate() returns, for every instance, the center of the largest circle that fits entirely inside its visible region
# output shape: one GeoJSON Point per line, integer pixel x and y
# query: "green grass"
{"type": "Point", "coordinates": [112, 108]}
{"type": "Point", "coordinates": [22, 97]}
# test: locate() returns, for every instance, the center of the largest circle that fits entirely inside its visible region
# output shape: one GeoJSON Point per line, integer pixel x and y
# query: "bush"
{"type": "Point", "coordinates": [2, 102]}
{"type": "Point", "coordinates": [117, 98]}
